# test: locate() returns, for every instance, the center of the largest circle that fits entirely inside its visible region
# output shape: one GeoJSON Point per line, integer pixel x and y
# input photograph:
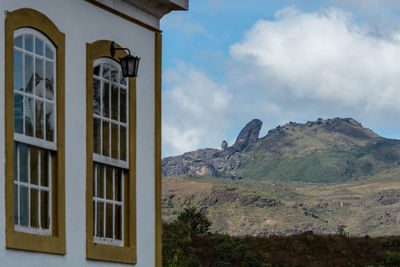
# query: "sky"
{"type": "Point", "coordinates": [226, 62]}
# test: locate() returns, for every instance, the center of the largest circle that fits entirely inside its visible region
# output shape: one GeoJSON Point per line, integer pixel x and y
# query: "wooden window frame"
{"type": "Point", "coordinates": [54, 243]}
{"type": "Point", "coordinates": [98, 251]}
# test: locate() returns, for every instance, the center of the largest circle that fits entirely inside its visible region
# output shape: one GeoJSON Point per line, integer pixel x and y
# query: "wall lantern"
{"type": "Point", "coordinates": [129, 64]}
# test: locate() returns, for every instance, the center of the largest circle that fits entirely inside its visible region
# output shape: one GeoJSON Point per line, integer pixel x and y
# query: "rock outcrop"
{"type": "Point", "coordinates": [248, 135]}
{"type": "Point", "coordinates": [214, 162]}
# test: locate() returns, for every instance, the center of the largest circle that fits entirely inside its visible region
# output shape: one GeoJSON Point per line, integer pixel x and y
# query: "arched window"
{"type": "Point", "coordinates": [34, 132]}
{"type": "Point", "coordinates": [111, 158]}
{"type": "Point", "coordinates": [110, 146]}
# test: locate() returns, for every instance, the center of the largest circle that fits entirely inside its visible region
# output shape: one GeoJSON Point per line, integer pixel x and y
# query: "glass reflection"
{"type": "Point", "coordinates": [29, 42]}
{"type": "Point", "coordinates": [38, 46]}
{"type": "Point", "coordinates": [122, 105]}
{"type": "Point", "coordinates": [29, 108]}
{"type": "Point", "coordinates": [49, 122]}
{"type": "Point", "coordinates": [28, 71]}
{"type": "Point", "coordinates": [49, 80]}
{"type": "Point", "coordinates": [39, 114]}
{"type": "Point", "coordinates": [114, 102]}
{"type": "Point", "coordinates": [96, 97]}
{"type": "Point", "coordinates": [18, 113]}
{"type": "Point", "coordinates": [49, 52]}
{"type": "Point", "coordinates": [39, 77]}
{"type": "Point", "coordinates": [18, 80]}
{"type": "Point", "coordinates": [18, 42]}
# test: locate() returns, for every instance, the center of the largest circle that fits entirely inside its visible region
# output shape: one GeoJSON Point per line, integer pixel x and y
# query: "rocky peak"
{"type": "Point", "coordinates": [209, 161]}
{"type": "Point", "coordinates": [248, 135]}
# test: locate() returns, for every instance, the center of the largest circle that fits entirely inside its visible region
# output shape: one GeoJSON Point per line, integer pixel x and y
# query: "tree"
{"type": "Point", "coordinates": [194, 222]}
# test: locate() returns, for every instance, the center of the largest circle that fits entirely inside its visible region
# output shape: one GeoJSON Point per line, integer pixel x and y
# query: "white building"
{"type": "Point", "coordinates": [80, 145]}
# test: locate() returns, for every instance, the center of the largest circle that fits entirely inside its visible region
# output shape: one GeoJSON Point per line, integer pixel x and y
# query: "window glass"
{"type": "Point", "coordinates": [110, 127]}
{"type": "Point", "coordinates": [34, 130]}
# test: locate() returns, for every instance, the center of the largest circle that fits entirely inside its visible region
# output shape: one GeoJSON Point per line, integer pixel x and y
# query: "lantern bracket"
{"type": "Point", "coordinates": [113, 48]}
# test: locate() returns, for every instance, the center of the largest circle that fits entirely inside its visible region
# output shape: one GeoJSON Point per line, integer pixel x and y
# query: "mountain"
{"type": "Point", "coordinates": [249, 207]}
{"type": "Point", "coordinates": [323, 151]}
{"type": "Point", "coordinates": [299, 177]}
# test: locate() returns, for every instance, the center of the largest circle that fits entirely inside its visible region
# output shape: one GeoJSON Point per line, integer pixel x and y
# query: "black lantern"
{"type": "Point", "coordinates": [129, 64]}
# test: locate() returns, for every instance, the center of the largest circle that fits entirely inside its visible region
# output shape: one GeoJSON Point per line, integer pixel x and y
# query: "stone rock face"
{"type": "Point", "coordinates": [248, 135]}
{"type": "Point", "coordinates": [224, 145]}
{"type": "Point", "coordinates": [214, 162]}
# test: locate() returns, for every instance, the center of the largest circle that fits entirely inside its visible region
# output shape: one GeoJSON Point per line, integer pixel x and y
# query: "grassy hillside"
{"type": "Point", "coordinates": [248, 207]}
{"type": "Point", "coordinates": [325, 151]}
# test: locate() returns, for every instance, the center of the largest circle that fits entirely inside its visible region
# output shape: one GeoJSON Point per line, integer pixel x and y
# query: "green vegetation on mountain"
{"type": "Point", "coordinates": [325, 151]}
{"type": "Point", "coordinates": [299, 177]}
{"type": "Point", "coordinates": [258, 208]}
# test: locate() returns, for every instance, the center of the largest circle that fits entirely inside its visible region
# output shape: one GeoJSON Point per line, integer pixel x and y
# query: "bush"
{"type": "Point", "coordinates": [192, 261]}
{"type": "Point", "coordinates": [224, 252]}
{"type": "Point", "coordinates": [223, 264]}
{"type": "Point", "coordinates": [393, 258]}
{"type": "Point", "coordinates": [250, 260]}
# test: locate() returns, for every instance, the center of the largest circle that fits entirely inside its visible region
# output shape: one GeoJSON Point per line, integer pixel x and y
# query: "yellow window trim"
{"type": "Point", "coordinates": [127, 253]}
{"type": "Point", "coordinates": [55, 243]}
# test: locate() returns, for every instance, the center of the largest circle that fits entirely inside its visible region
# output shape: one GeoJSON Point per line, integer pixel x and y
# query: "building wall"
{"type": "Point", "coordinates": [84, 23]}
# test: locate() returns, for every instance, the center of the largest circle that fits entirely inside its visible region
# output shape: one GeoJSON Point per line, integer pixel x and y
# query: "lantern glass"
{"type": "Point", "coordinates": [129, 65]}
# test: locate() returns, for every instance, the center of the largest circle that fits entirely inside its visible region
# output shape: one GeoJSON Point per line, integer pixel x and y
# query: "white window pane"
{"type": "Point", "coordinates": [23, 206]}
{"type": "Point", "coordinates": [18, 70]}
{"type": "Point", "coordinates": [49, 122]}
{"type": "Point", "coordinates": [114, 141]}
{"type": "Point", "coordinates": [16, 194]}
{"type": "Point", "coordinates": [122, 105]}
{"type": "Point", "coordinates": [106, 100]}
{"type": "Point", "coordinates": [28, 71]}
{"type": "Point", "coordinates": [29, 42]}
{"type": "Point", "coordinates": [97, 136]}
{"type": "Point", "coordinates": [114, 102]}
{"type": "Point", "coordinates": [96, 96]}
{"type": "Point", "coordinates": [18, 113]}
{"type": "Point", "coordinates": [118, 222]}
{"type": "Point", "coordinates": [34, 208]}
{"type": "Point", "coordinates": [109, 182]}
{"type": "Point", "coordinates": [44, 167]}
{"type": "Point", "coordinates": [100, 219]}
{"type": "Point", "coordinates": [106, 138]}
{"type": "Point", "coordinates": [18, 42]}
{"type": "Point", "coordinates": [49, 80]}
{"type": "Point", "coordinates": [23, 162]}
{"type": "Point", "coordinates": [106, 71]}
{"type": "Point", "coordinates": [39, 77]}
{"type": "Point", "coordinates": [34, 165]}
{"type": "Point", "coordinates": [29, 120]}
{"type": "Point", "coordinates": [44, 209]}
{"type": "Point", "coordinates": [109, 220]}
{"type": "Point", "coordinates": [38, 46]}
{"type": "Point", "coordinates": [39, 123]}
{"type": "Point", "coordinates": [49, 52]}
{"type": "Point", "coordinates": [114, 74]}
{"type": "Point", "coordinates": [96, 70]}
{"type": "Point", "coordinates": [118, 185]}
{"type": "Point", "coordinates": [123, 144]}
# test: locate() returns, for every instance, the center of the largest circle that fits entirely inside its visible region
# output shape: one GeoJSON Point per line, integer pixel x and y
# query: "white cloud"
{"type": "Point", "coordinates": [322, 58]}
{"type": "Point", "coordinates": [297, 67]}
{"type": "Point", "coordinates": [195, 110]}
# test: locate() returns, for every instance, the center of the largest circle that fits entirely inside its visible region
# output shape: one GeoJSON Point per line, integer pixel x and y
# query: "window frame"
{"type": "Point", "coordinates": [99, 251]}
{"type": "Point", "coordinates": [54, 243]}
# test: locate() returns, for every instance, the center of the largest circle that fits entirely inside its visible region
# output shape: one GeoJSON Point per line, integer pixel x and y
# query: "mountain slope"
{"type": "Point", "coordinates": [324, 151]}
{"type": "Point", "coordinates": [249, 207]}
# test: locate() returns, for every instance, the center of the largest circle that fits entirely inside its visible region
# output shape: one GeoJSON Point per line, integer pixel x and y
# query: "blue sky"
{"type": "Point", "coordinates": [226, 62]}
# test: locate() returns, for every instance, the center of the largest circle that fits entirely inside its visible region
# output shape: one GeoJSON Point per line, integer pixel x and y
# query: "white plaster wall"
{"type": "Point", "coordinates": [84, 23]}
